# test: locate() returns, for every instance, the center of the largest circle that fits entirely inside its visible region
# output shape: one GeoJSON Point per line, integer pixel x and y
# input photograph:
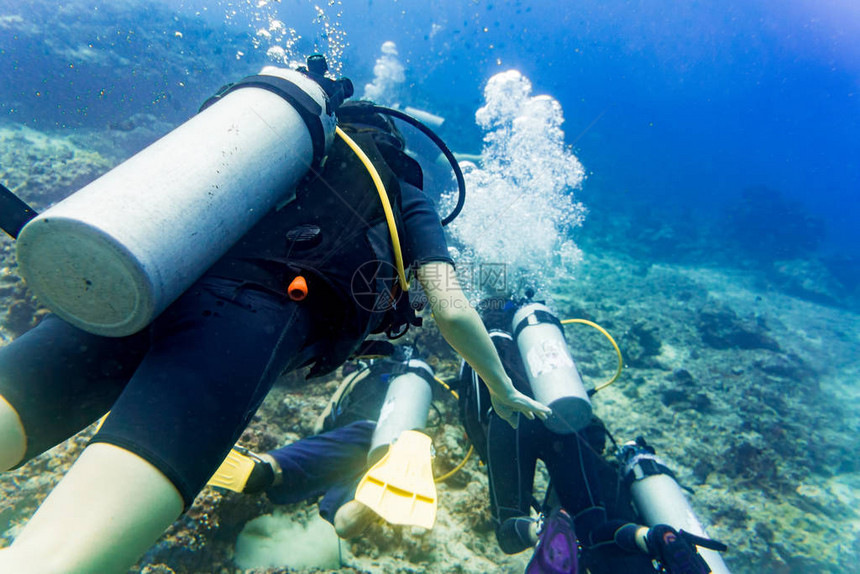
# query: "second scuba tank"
{"type": "Point", "coordinates": [406, 405]}
{"type": "Point", "coordinates": [112, 256]}
{"type": "Point", "coordinates": [658, 497]}
{"type": "Point", "coordinates": [550, 369]}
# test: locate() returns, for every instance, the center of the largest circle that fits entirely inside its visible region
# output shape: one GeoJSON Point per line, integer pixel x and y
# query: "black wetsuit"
{"type": "Point", "coordinates": [182, 391]}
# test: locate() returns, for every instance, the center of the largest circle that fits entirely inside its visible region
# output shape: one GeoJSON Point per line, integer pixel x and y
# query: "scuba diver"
{"type": "Point", "coordinates": [270, 232]}
{"type": "Point", "coordinates": [578, 528]}
{"type": "Point", "coordinates": [367, 430]}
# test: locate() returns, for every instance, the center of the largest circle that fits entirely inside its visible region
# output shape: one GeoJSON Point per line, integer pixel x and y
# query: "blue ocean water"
{"type": "Point", "coordinates": [674, 108]}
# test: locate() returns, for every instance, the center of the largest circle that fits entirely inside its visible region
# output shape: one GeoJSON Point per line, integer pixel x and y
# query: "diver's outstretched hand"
{"type": "Point", "coordinates": [512, 401]}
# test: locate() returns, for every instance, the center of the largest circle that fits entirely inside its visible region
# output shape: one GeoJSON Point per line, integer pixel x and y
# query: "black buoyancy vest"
{"type": "Point", "coordinates": [351, 240]}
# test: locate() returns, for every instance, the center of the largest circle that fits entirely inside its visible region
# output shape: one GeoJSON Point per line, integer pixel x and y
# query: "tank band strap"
{"type": "Point", "coordinates": [307, 107]}
{"type": "Point", "coordinates": [14, 213]}
{"type": "Point", "coordinates": [415, 366]}
{"type": "Point", "coordinates": [537, 317]}
{"type": "Point", "coordinates": [421, 369]}
{"type": "Point", "coordinates": [643, 466]}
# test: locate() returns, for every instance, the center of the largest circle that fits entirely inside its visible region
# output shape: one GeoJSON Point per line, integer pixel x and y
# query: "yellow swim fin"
{"type": "Point", "coordinates": [400, 487]}
{"type": "Point", "coordinates": [236, 470]}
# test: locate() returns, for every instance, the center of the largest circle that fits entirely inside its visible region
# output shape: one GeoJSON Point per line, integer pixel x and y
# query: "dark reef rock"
{"type": "Point", "coordinates": [746, 461]}
{"type": "Point", "coordinates": [734, 515]}
{"type": "Point", "coordinates": [788, 366]}
{"type": "Point", "coordinates": [702, 469]}
{"type": "Point", "coordinates": [682, 400]}
{"type": "Point", "coordinates": [721, 328]}
{"type": "Point", "coordinates": [641, 345]}
{"type": "Point", "coordinates": [682, 377]}
{"type": "Point", "coordinates": [20, 316]}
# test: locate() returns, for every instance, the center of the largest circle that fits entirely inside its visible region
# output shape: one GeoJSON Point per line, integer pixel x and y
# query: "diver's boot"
{"type": "Point", "coordinates": [353, 518]}
{"type": "Point", "coordinates": [246, 471]}
{"type": "Point", "coordinates": [13, 439]}
{"type": "Point", "coordinates": [103, 515]}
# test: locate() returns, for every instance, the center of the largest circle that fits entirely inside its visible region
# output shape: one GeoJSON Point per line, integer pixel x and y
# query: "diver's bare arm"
{"type": "Point", "coordinates": [461, 326]}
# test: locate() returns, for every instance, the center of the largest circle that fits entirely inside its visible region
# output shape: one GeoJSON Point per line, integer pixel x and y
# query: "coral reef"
{"type": "Point", "coordinates": [746, 391]}
{"type": "Point", "coordinates": [43, 168]}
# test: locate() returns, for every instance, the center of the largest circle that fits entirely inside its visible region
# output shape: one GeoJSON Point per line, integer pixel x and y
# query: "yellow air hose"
{"type": "Point", "coordinates": [611, 340]}
{"type": "Point", "coordinates": [398, 256]}
{"type": "Point", "coordinates": [386, 205]}
{"type": "Point", "coordinates": [463, 462]}
{"type": "Point", "coordinates": [457, 468]}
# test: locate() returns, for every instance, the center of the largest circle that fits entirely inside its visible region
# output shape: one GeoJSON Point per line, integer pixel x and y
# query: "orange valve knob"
{"type": "Point", "coordinates": [298, 288]}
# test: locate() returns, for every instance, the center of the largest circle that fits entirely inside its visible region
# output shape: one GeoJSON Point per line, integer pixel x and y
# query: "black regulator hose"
{"type": "Point", "coordinates": [458, 173]}
{"type": "Point", "coordinates": [14, 213]}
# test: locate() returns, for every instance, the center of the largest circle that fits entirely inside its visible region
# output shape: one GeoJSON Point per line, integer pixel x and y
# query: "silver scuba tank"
{"type": "Point", "coordinates": [550, 369]}
{"type": "Point", "coordinates": [113, 255]}
{"type": "Point", "coordinates": [659, 499]}
{"type": "Point", "coordinates": [425, 117]}
{"type": "Point", "coordinates": [406, 405]}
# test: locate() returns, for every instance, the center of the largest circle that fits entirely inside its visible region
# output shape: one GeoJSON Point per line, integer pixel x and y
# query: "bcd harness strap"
{"type": "Point", "coordinates": [536, 318]}
{"type": "Point", "coordinates": [14, 212]}
{"type": "Point", "coordinates": [643, 465]}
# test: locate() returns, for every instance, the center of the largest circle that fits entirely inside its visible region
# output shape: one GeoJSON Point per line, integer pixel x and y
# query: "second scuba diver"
{"type": "Point", "coordinates": [576, 530]}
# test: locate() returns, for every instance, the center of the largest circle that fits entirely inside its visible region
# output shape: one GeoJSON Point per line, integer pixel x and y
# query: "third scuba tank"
{"type": "Point", "coordinates": [658, 497]}
{"type": "Point", "coordinates": [406, 405]}
{"type": "Point", "coordinates": [550, 369]}
{"type": "Point", "coordinates": [112, 256]}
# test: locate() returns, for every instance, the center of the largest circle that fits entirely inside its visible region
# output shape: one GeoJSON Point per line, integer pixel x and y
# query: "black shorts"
{"type": "Point", "coordinates": [180, 393]}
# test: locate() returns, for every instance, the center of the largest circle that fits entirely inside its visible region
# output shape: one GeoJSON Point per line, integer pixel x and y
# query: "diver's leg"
{"type": "Point", "coordinates": [573, 467]}
{"type": "Point", "coordinates": [511, 462]}
{"type": "Point", "coordinates": [214, 356]}
{"type": "Point", "coordinates": [211, 362]}
{"type": "Point", "coordinates": [314, 464]}
{"type": "Point", "coordinates": [13, 440]}
{"type": "Point", "coordinates": [55, 380]}
{"type": "Point", "coordinates": [332, 463]}
{"type": "Point", "coordinates": [110, 507]}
